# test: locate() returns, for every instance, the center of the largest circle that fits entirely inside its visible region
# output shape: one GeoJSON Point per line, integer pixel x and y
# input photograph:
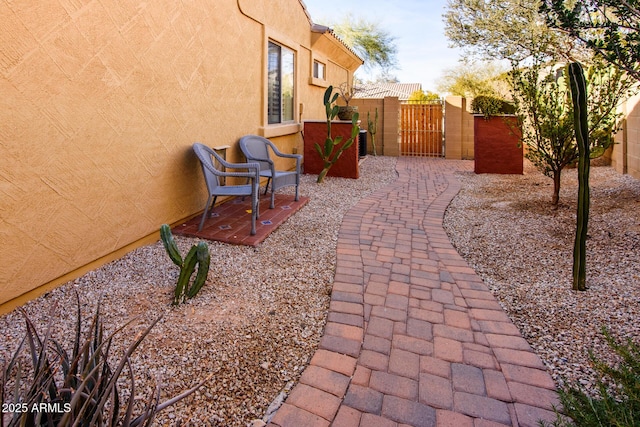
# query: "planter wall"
{"type": "Point", "coordinates": [347, 165]}
{"type": "Point", "coordinates": [497, 147]}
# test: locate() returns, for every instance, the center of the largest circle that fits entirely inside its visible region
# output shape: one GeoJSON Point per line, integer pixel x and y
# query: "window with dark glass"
{"type": "Point", "coordinates": [280, 91]}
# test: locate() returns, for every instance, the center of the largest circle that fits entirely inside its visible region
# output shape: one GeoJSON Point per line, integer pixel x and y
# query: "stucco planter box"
{"type": "Point", "coordinates": [347, 165]}
{"type": "Point", "coordinates": [497, 147]}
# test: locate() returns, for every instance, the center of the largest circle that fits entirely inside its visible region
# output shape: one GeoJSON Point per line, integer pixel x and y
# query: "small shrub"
{"type": "Point", "coordinates": [59, 389]}
{"type": "Point", "coordinates": [491, 106]}
{"type": "Point", "coordinates": [198, 256]}
{"type": "Point", "coordinates": [619, 404]}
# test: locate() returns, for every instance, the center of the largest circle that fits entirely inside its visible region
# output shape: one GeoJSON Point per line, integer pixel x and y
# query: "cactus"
{"type": "Point", "coordinates": [579, 98]}
{"type": "Point", "coordinates": [328, 154]}
{"type": "Point", "coordinates": [372, 127]}
{"type": "Point", "coordinates": [198, 255]}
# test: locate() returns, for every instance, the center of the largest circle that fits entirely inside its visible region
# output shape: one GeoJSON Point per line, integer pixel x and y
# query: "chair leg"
{"type": "Point", "coordinates": [273, 199]}
{"type": "Point", "coordinates": [297, 192]}
{"type": "Point", "coordinates": [254, 209]}
{"type": "Point", "coordinates": [206, 209]}
{"type": "Point", "coordinates": [266, 187]}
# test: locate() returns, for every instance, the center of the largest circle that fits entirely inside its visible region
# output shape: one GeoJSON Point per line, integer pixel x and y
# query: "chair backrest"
{"type": "Point", "coordinates": [206, 156]}
{"type": "Point", "coordinates": [256, 148]}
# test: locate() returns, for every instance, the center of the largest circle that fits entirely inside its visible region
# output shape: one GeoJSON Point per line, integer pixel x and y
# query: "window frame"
{"type": "Point", "coordinates": [286, 79]}
{"type": "Point", "coordinates": [319, 66]}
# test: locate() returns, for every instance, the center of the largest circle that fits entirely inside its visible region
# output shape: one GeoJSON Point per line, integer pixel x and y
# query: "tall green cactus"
{"type": "Point", "coordinates": [372, 127]}
{"type": "Point", "coordinates": [198, 255]}
{"type": "Point", "coordinates": [579, 98]}
{"type": "Point", "coordinates": [328, 155]}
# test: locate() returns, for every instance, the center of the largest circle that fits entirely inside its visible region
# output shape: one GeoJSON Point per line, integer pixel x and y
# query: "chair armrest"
{"type": "Point", "coordinates": [281, 154]}
{"type": "Point", "coordinates": [253, 170]}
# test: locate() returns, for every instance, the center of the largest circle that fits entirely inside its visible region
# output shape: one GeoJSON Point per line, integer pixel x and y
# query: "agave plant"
{"type": "Point", "coordinates": [80, 389]}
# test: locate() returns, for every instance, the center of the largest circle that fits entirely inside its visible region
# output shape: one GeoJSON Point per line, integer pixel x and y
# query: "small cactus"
{"type": "Point", "coordinates": [372, 126]}
{"type": "Point", "coordinates": [198, 255]}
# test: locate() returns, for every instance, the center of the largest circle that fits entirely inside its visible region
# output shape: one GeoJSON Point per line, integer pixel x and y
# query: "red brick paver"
{"type": "Point", "coordinates": [414, 337]}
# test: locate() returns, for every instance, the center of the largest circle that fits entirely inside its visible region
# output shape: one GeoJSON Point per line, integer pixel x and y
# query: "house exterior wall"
{"type": "Point", "coordinates": [101, 102]}
{"type": "Point", "coordinates": [625, 156]}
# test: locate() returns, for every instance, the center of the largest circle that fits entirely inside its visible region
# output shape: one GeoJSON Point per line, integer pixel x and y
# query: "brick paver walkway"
{"type": "Point", "coordinates": [413, 336]}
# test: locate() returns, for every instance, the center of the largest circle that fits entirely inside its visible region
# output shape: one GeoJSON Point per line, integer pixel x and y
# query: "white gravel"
{"type": "Point", "coordinates": [507, 230]}
{"type": "Point", "coordinates": [255, 324]}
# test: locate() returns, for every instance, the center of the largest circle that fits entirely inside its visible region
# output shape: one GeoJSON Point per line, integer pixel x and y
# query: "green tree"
{"type": "Point", "coordinates": [472, 79]}
{"type": "Point", "coordinates": [545, 109]}
{"type": "Point", "coordinates": [610, 28]}
{"type": "Point", "coordinates": [505, 29]}
{"type": "Point", "coordinates": [421, 97]}
{"type": "Point", "coordinates": [547, 121]}
{"type": "Point", "coordinates": [371, 42]}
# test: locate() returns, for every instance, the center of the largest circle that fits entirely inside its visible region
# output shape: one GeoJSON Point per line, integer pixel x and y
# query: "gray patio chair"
{"type": "Point", "coordinates": [212, 175]}
{"type": "Point", "coordinates": [257, 149]}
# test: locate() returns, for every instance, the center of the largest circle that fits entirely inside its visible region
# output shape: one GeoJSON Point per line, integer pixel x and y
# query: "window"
{"type": "Point", "coordinates": [280, 90]}
{"type": "Point", "coordinates": [318, 70]}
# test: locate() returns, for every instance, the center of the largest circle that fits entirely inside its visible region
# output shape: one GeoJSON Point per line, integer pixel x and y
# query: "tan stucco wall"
{"type": "Point", "coordinates": [625, 157]}
{"type": "Point", "coordinates": [101, 102]}
{"type": "Point", "coordinates": [458, 132]}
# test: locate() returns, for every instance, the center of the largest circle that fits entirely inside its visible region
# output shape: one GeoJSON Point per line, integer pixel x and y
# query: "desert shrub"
{"type": "Point", "coordinates": [491, 106]}
{"type": "Point", "coordinates": [619, 389]}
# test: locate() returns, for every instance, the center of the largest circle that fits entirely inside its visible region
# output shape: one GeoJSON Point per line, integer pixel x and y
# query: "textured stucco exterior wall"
{"type": "Point", "coordinates": [625, 156]}
{"type": "Point", "coordinates": [101, 102]}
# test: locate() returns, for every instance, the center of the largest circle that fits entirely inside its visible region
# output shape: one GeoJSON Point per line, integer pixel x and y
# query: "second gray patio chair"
{"type": "Point", "coordinates": [258, 149]}
{"type": "Point", "coordinates": [212, 178]}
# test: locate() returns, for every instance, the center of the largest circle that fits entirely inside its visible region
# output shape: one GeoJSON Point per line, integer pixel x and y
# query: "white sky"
{"type": "Point", "coordinates": [417, 25]}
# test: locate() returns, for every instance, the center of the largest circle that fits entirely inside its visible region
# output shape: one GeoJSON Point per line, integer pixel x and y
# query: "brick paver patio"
{"type": "Point", "coordinates": [413, 336]}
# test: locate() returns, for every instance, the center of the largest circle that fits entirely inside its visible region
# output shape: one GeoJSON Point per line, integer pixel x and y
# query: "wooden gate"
{"type": "Point", "coordinates": [421, 130]}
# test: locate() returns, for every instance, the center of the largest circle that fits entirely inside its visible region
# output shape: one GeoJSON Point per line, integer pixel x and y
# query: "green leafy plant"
{"type": "Point", "coordinates": [334, 147]}
{"type": "Point", "coordinates": [372, 127]}
{"type": "Point", "coordinates": [80, 389]}
{"type": "Point", "coordinates": [491, 106]}
{"type": "Point", "coordinates": [545, 109]}
{"type": "Point", "coordinates": [619, 389]}
{"type": "Point", "coordinates": [198, 256]}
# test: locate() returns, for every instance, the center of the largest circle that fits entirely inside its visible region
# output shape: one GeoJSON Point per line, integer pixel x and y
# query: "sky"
{"type": "Point", "coordinates": [417, 25]}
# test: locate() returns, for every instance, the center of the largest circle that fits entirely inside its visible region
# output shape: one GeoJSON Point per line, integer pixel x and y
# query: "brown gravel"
{"type": "Point", "coordinates": [506, 228]}
{"type": "Point", "coordinates": [255, 324]}
{"type": "Point", "coordinates": [259, 318]}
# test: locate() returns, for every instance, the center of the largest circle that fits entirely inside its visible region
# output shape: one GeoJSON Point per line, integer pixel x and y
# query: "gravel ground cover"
{"type": "Point", "coordinates": [254, 326]}
{"type": "Point", "coordinates": [258, 320]}
{"type": "Point", "coordinates": [507, 230]}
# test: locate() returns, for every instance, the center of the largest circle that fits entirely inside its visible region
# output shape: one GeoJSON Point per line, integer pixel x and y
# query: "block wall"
{"type": "Point", "coordinates": [458, 131]}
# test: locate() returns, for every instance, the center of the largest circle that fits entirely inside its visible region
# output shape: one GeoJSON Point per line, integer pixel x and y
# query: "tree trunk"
{"type": "Point", "coordinates": [556, 187]}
